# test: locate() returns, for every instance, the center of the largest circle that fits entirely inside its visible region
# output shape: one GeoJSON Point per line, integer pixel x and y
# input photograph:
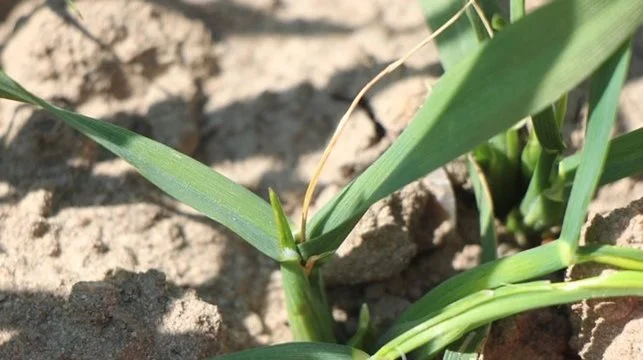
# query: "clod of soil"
{"type": "Point", "coordinates": [535, 335]}
{"type": "Point", "coordinates": [392, 232]}
{"type": "Point", "coordinates": [125, 316]}
{"type": "Point", "coordinates": [130, 59]}
{"type": "Point", "coordinates": [609, 329]}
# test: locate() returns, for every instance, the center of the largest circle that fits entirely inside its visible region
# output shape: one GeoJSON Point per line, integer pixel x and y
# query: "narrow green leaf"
{"type": "Point", "coordinates": [522, 266]}
{"type": "Point", "coordinates": [624, 158]}
{"type": "Point", "coordinates": [605, 90]}
{"type": "Point", "coordinates": [287, 243]}
{"type": "Point", "coordinates": [537, 210]}
{"type": "Point", "coordinates": [519, 72]}
{"type": "Point", "coordinates": [621, 257]}
{"type": "Point", "coordinates": [365, 333]}
{"type": "Point", "coordinates": [299, 351]}
{"type": "Point", "coordinates": [178, 175]}
{"type": "Point", "coordinates": [488, 238]}
{"type": "Point", "coordinates": [488, 305]}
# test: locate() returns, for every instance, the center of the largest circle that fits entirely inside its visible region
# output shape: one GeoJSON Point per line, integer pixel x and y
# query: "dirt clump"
{"type": "Point", "coordinates": [609, 328]}
{"type": "Point", "coordinates": [134, 59]}
{"type": "Point", "coordinates": [125, 316]}
{"type": "Point", "coordinates": [535, 335]}
{"type": "Point", "coordinates": [419, 217]}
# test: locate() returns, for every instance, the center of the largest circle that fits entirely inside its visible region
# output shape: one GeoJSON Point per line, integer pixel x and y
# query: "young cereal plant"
{"type": "Point", "coordinates": [493, 81]}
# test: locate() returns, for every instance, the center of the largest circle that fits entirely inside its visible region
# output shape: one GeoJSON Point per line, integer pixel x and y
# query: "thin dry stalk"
{"type": "Point", "coordinates": [483, 18]}
{"type": "Point", "coordinates": [344, 120]}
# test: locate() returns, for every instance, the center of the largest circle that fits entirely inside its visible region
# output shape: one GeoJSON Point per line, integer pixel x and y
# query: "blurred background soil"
{"type": "Point", "coordinates": [96, 262]}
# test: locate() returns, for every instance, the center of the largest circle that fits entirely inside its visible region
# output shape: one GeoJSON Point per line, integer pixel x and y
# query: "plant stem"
{"type": "Point", "coordinates": [308, 312]}
{"type": "Point", "coordinates": [624, 258]}
{"type": "Point", "coordinates": [489, 305]}
{"type": "Point", "coordinates": [525, 265]}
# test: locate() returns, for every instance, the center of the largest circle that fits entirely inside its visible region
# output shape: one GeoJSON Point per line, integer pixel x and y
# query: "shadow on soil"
{"type": "Point", "coordinates": [124, 316]}
{"type": "Point", "coordinates": [223, 18]}
{"type": "Point", "coordinates": [39, 152]}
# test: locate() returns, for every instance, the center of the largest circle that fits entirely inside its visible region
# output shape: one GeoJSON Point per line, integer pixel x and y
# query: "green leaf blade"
{"type": "Point", "coordinates": [488, 305]}
{"type": "Point", "coordinates": [298, 351]}
{"type": "Point", "coordinates": [605, 91]}
{"type": "Point", "coordinates": [178, 175]}
{"type": "Point", "coordinates": [519, 72]}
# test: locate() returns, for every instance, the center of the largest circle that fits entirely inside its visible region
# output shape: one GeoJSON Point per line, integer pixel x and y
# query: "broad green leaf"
{"type": "Point", "coordinates": [624, 158]}
{"type": "Point", "coordinates": [298, 351]}
{"type": "Point", "coordinates": [178, 175]}
{"type": "Point", "coordinates": [605, 90]}
{"type": "Point", "coordinates": [521, 71]}
{"type": "Point", "coordinates": [488, 305]}
{"type": "Point", "coordinates": [500, 157]}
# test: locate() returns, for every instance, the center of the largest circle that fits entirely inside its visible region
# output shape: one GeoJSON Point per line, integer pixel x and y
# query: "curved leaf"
{"type": "Point", "coordinates": [488, 305]}
{"type": "Point", "coordinates": [519, 72]}
{"type": "Point", "coordinates": [178, 175]}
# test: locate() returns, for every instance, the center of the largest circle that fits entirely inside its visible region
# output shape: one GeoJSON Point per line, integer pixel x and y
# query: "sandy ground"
{"type": "Point", "coordinates": [252, 88]}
